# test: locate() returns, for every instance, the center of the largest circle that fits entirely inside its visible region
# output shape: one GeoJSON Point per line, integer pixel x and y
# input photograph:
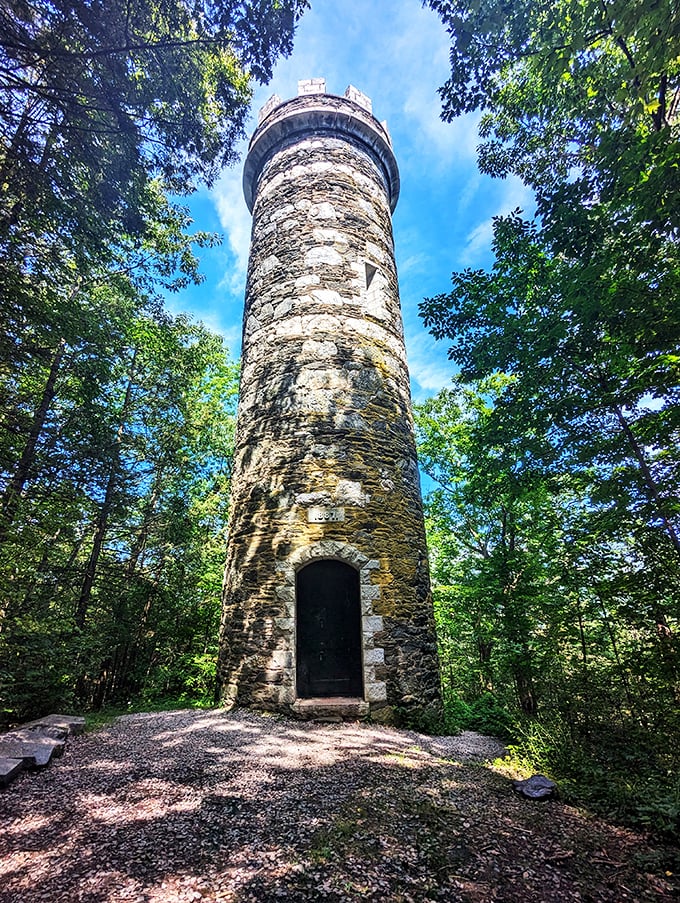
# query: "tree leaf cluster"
{"type": "Point", "coordinates": [117, 418]}
{"type": "Point", "coordinates": [114, 516]}
{"type": "Point", "coordinates": [566, 414]}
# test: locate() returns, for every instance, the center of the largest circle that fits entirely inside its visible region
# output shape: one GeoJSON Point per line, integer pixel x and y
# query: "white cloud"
{"type": "Point", "coordinates": [428, 364]}
{"type": "Point", "coordinates": [235, 219]}
{"type": "Point", "coordinates": [413, 264]}
{"type": "Point", "coordinates": [444, 142]}
{"type": "Point", "coordinates": [477, 243]}
{"type": "Point", "coordinates": [514, 195]}
{"type": "Point", "coordinates": [469, 191]}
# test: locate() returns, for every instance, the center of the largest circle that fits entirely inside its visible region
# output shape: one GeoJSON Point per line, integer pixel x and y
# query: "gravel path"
{"type": "Point", "coordinates": [188, 805]}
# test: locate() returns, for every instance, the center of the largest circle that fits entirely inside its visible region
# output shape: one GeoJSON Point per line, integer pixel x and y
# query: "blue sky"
{"type": "Point", "coordinates": [396, 52]}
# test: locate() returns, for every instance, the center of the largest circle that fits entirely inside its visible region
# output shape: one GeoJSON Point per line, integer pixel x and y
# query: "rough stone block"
{"type": "Point", "coordinates": [376, 692]}
{"type": "Point", "coordinates": [322, 210]}
{"type": "Point", "coordinates": [359, 97]}
{"type": "Point", "coordinates": [9, 769]}
{"type": "Point", "coordinates": [285, 625]}
{"type": "Point", "coordinates": [35, 751]}
{"type": "Point", "coordinates": [285, 593]}
{"type": "Point", "coordinates": [338, 707]}
{"type": "Point", "coordinates": [373, 624]}
{"type": "Point", "coordinates": [375, 656]}
{"type": "Point", "coordinates": [273, 102]}
{"type": "Point", "coordinates": [311, 86]}
{"type": "Point", "coordinates": [73, 724]}
{"type": "Point", "coordinates": [371, 593]}
{"type": "Point", "coordinates": [322, 256]}
{"type": "Point", "coordinates": [281, 659]}
{"type": "Point", "coordinates": [371, 565]}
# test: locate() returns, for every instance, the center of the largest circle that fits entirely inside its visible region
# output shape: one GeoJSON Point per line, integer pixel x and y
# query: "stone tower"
{"type": "Point", "coordinates": [327, 597]}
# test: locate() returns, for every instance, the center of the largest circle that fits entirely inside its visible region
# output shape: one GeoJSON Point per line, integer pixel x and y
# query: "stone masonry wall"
{"type": "Point", "coordinates": [325, 462]}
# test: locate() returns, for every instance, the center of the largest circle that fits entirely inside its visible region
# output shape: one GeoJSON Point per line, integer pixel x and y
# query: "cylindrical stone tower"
{"type": "Point", "coordinates": [327, 600]}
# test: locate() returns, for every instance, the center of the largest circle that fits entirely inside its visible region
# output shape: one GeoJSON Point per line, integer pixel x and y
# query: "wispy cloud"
{"type": "Point", "coordinates": [235, 220]}
{"type": "Point", "coordinates": [517, 194]}
{"type": "Point", "coordinates": [514, 195]}
{"type": "Point", "coordinates": [427, 362]}
{"type": "Point", "coordinates": [477, 243]}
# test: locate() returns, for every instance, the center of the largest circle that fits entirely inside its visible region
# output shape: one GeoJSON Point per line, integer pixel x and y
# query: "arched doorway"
{"type": "Point", "coordinates": [328, 630]}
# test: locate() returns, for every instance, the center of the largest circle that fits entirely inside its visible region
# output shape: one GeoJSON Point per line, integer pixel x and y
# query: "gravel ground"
{"type": "Point", "coordinates": [190, 805]}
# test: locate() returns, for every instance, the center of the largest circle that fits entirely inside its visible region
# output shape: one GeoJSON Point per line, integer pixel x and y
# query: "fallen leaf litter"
{"type": "Point", "coordinates": [235, 807]}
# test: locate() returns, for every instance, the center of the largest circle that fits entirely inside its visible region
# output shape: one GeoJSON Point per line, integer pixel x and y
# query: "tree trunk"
{"type": "Point", "coordinates": [619, 663]}
{"type": "Point", "coordinates": [139, 546]}
{"type": "Point", "coordinates": [14, 489]}
{"type": "Point", "coordinates": [650, 482]}
{"type": "Point", "coordinates": [105, 510]}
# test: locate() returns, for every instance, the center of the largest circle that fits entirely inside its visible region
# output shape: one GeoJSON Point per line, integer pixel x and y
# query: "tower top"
{"type": "Point", "coordinates": [315, 112]}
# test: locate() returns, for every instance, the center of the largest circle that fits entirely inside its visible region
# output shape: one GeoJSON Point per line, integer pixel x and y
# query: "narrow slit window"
{"type": "Point", "coordinates": [370, 273]}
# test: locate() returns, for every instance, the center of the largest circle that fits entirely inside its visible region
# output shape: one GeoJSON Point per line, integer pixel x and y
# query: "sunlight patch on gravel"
{"type": "Point", "coordinates": [243, 808]}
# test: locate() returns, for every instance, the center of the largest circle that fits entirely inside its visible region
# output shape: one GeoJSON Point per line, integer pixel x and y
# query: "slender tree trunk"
{"type": "Point", "coordinates": [139, 545]}
{"type": "Point", "coordinates": [619, 663]}
{"type": "Point", "coordinates": [582, 637]}
{"type": "Point", "coordinates": [524, 684]}
{"type": "Point", "coordinates": [584, 661]}
{"type": "Point", "coordinates": [668, 651]}
{"type": "Point", "coordinates": [40, 572]}
{"type": "Point", "coordinates": [650, 482]}
{"type": "Point", "coordinates": [124, 654]}
{"type": "Point", "coordinates": [484, 650]}
{"type": "Point", "coordinates": [97, 543]}
{"type": "Point", "coordinates": [10, 216]}
{"type": "Point", "coordinates": [14, 489]}
{"type": "Point", "coordinates": [105, 510]}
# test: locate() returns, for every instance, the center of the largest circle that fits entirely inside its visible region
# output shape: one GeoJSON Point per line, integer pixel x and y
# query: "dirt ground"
{"type": "Point", "coordinates": [211, 806]}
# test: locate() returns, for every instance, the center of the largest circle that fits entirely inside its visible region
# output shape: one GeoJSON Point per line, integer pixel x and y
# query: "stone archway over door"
{"type": "Point", "coordinates": [328, 630]}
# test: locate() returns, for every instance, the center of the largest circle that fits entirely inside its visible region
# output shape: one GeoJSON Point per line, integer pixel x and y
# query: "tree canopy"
{"type": "Point", "coordinates": [568, 390]}
{"type": "Point", "coordinates": [582, 309]}
{"type": "Point", "coordinates": [99, 99]}
{"type": "Point", "coordinates": [116, 417]}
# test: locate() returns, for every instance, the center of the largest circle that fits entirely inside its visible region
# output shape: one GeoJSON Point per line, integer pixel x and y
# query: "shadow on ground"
{"type": "Point", "coordinates": [235, 807]}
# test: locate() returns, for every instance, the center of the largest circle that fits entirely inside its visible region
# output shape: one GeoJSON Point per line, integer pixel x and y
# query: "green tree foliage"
{"type": "Point", "coordinates": [97, 98]}
{"type": "Point", "coordinates": [571, 340]}
{"type": "Point", "coordinates": [551, 629]}
{"type": "Point", "coordinates": [116, 418]}
{"type": "Point", "coordinates": [112, 561]}
{"type": "Point", "coordinates": [579, 98]}
{"type": "Point", "coordinates": [494, 531]}
{"type": "Point", "coordinates": [582, 397]}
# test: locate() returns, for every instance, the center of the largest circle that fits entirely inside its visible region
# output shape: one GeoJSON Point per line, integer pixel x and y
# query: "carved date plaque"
{"type": "Point", "coordinates": [319, 515]}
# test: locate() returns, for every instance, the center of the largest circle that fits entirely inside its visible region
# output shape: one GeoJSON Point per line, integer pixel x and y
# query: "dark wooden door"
{"type": "Point", "coordinates": [328, 630]}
